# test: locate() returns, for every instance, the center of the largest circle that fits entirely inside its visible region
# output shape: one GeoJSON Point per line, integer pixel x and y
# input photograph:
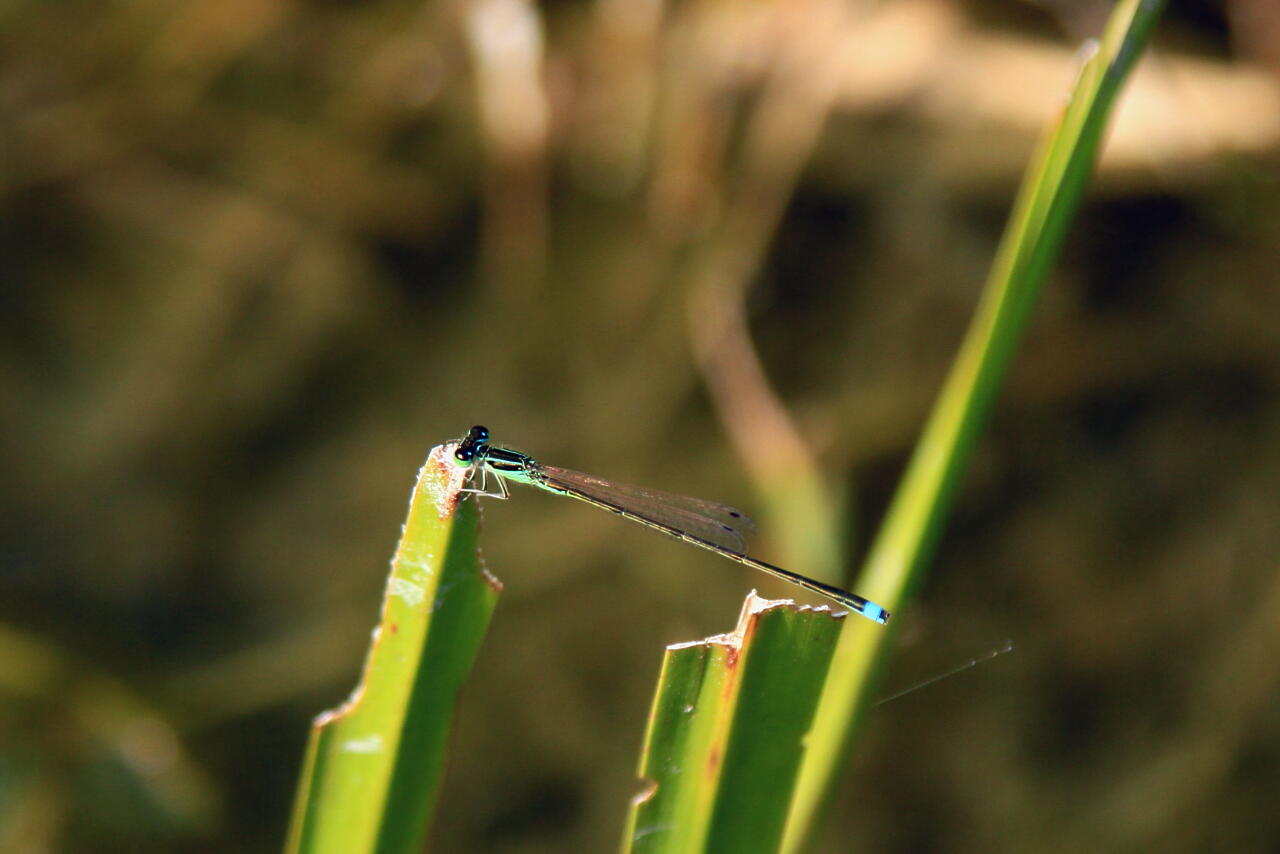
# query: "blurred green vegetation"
{"type": "Point", "coordinates": [258, 257]}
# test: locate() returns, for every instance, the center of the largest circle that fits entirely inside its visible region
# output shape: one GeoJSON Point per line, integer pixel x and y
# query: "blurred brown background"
{"type": "Point", "coordinates": [259, 256]}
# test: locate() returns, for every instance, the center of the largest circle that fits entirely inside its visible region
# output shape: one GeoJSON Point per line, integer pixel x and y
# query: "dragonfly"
{"type": "Point", "coordinates": [708, 525]}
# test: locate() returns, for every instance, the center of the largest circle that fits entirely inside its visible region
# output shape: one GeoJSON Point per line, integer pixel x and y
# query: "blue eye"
{"type": "Point", "coordinates": [475, 444]}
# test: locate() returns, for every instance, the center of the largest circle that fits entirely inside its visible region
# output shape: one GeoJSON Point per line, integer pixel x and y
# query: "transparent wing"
{"type": "Point", "coordinates": [725, 526]}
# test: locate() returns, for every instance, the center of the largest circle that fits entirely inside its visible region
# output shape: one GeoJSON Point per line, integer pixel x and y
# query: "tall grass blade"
{"type": "Point", "coordinates": [1046, 203]}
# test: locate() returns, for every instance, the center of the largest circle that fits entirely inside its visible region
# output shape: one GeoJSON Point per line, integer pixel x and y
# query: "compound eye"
{"type": "Point", "coordinates": [479, 433]}
{"type": "Point", "coordinates": [465, 454]}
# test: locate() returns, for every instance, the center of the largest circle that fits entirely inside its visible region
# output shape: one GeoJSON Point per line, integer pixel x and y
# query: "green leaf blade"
{"type": "Point", "coordinates": [727, 732]}
{"type": "Point", "coordinates": [373, 767]}
{"type": "Point", "coordinates": [1047, 202]}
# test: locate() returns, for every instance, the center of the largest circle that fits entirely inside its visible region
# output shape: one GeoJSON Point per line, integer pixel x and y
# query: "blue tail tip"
{"type": "Point", "coordinates": [875, 612]}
